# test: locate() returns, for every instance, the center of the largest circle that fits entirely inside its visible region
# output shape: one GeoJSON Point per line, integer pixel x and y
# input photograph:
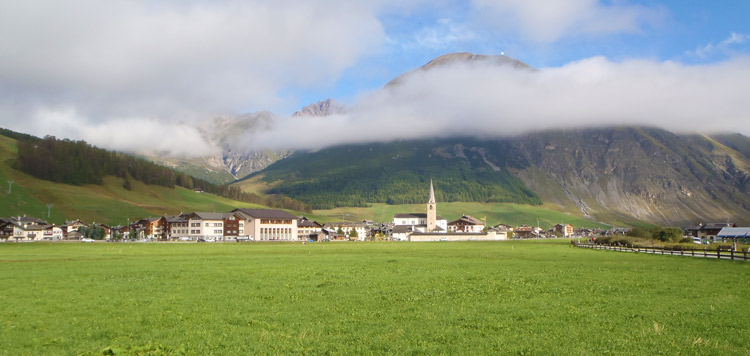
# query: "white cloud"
{"type": "Point", "coordinates": [489, 101]}
{"type": "Point", "coordinates": [172, 60]}
{"type": "Point", "coordinates": [727, 47]}
{"type": "Point", "coordinates": [546, 21]}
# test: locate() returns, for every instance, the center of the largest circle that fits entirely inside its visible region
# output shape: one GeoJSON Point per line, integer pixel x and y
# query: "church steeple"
{"type": "Point", "coordinates": [431, 210]}
{"type": "Point", "coordinates": [432, 194]}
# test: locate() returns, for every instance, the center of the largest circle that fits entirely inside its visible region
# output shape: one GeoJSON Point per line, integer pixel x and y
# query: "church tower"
{"type": "Point", "coordinates": [431, 210]}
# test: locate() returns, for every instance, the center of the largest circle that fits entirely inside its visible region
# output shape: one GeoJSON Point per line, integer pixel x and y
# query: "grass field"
{"type": "Point", "coordinates": [513, 297]}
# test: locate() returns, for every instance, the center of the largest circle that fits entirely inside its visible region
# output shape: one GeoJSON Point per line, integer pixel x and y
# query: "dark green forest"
{"type": "Point", "coordinates": [78, 163]}
{"type": "Point", "coordinates": [400, 172]}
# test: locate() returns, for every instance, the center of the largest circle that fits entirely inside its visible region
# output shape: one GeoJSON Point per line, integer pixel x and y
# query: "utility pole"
{"type": "Point", "coordinates": [10, 184]}
{"type": "Point", "coordinates": [49, 208]}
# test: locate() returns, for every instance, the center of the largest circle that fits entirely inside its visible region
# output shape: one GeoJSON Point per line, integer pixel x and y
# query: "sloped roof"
{"type": "Point", "coordinates": [467, 220]}
{"type": "Point", "coordinates": [734, 232]}
{"type": "Point", "coordinates": [416, 216]}
{"type": "Point", "coordinates": [210, 216]}
{"type": "Point", "coordinates": [401, 229]}
{"type": "Point", "coordinates": [266, 213]}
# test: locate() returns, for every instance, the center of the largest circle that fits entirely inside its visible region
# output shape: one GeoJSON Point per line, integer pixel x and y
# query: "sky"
{"type": "Point", "coordinates": [143, 76]}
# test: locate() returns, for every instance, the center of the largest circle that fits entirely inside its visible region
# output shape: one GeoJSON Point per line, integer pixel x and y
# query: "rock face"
{"type": "Point", "coordinates": [454, 58]}
{"type": "Point", "coordinates": [322, 108]}
{"type": "Point", "coordinates": [643, 173]}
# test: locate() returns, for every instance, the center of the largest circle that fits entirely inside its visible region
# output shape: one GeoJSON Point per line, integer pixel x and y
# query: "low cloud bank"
{"type": "Point", "coordinates": [489, 101]}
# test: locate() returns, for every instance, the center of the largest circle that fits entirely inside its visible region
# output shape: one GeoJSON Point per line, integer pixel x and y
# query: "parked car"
{"type": "Point", "coordinates": [85, 239]}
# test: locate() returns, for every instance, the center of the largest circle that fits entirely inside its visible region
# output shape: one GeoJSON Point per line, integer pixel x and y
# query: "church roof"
{"type": "Point", "coordinates": [432, 194]}
{"type": "Point", "coordinates": [415, 216]}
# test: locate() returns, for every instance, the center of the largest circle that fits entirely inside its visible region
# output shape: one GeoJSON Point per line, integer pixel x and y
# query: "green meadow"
{"type": "Point", "coordinates": [495, 213]}
{"type": "Point", "coordinates": [510, 297]}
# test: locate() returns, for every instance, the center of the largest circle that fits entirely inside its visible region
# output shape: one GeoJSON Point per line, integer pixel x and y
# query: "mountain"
{"type": "Point", "coordinates": [454, 58]}
{"type": "Point", "coordinates": [626, 173]}
{"type": "Point", "coordinates": [322, 108]}
{"type": "Point", "coordinates": [232, 159]}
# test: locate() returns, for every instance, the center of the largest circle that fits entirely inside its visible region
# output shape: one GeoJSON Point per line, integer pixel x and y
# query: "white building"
{"type": "Point", "coordinates": [418, 222]}
{"type": "Point", "coordinates": [268, 224]}
{"type": "Point", "coordinates": [206, 225]}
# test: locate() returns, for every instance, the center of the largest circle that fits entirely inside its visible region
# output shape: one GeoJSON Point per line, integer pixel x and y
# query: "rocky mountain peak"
{"type": "Point", "coordinates": [322, 108]}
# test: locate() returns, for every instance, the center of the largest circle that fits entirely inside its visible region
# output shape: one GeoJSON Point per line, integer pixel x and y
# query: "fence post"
{"type": "Point", "coordinates": [731, 253]}
{"type": "Point", "coordinates": [692, 252]}
{"type": "Point", "coordinates": [718, 252]}
{"type": "Point", "coordinates": [704, 251]}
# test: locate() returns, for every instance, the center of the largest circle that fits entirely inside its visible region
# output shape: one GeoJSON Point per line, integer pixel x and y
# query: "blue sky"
{"type": "Point", "coordinates": [679, 31]}
{"type": "Point", "coordinates": [92, 70]}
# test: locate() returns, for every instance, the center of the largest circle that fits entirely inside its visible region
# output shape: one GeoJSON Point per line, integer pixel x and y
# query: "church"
{"type": "Point", "coordinates": [430, 222]}
{"type": "Point", "coordinates": [431, 227]}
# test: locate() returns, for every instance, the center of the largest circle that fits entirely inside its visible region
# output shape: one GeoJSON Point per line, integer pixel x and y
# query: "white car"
{"type": "Point", "coordinates": [87, 240]}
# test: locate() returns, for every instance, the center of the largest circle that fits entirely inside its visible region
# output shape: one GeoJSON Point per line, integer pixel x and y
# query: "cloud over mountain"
{"type": "Point", "coordinates": [484, 100]}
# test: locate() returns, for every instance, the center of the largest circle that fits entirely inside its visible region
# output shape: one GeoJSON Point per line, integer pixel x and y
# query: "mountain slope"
{"type": "Point", "coordinates": [629, 174]}
{"type": "Point", "coordinates": [108, 203]}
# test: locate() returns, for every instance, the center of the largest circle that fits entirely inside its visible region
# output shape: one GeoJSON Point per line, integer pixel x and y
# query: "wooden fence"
{"type": "Point", "coordinates": [726, 254]}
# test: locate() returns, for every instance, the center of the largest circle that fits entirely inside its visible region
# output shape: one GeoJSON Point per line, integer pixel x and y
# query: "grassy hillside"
{"type": "Point", "coordinates": [106, 203]}
{"type": "Point", "coordinates": [496, 213]}
{"type": "Point", "coordinates": [470, 298]}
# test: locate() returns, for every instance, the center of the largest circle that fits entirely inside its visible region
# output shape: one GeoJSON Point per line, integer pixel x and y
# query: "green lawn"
{"type": "Point", "coordinates": [513, 297]}
{"type": "Point", "coordinates": [496, 213]}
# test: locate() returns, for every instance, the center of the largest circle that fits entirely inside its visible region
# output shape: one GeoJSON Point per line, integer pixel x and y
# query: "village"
{"type": "Point", "coordinates": [244, 225]}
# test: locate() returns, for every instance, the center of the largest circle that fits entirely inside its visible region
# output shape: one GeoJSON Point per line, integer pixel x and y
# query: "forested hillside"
{"type": "Point", "coordinates": [399, 173]}
{"type": "Point", "coordinates": [78, 163]}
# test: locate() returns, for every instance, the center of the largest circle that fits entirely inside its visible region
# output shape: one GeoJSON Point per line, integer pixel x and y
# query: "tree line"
{"type": "Point", "coordinates": [78, 163]}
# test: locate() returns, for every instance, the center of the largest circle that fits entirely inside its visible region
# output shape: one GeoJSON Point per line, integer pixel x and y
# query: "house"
{"type": "Point", "coordinates": [208, 226]}
{"type": "Point", "coordinates": [524, 232]}
{"type": "Point", "coordinates": [466, 223]}
{"type": "Point", "coordinates": [74, 225]}
{"type": "Point", "coordinates": [708, 231]}
{"type": "Point", "coordinates": [177, 226]}
{"type": "Point", "coordinates": [153, 228]}
{"type": "Point", "coordinates": [348, 229]}
{"type": "Point", "coordinates": [401, 232]}
{"type": "Point", "coordinates": [563, 230]}
{"type": "Point", "coordinates": [268, 224]}
{"type": "Point", "coordinates": [307, 228]}
{"type": "Point", "coordinates": [23, 228]}
{"type": "Point", "coordinates": [53, 233]}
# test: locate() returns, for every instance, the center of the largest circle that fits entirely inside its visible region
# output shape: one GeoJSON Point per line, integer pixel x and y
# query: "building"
{"type": "Point", "coordinates": [428, 222]}
{"type": "Point", "coordinates": [232, 223]}
{"type": "Point", "coordinates": [23, 228]}
{"type": "Point", "coordinates": [466, 223]}
{"type": "Point", "coordinates": [308, 229]}
{"type": "Point", "coordinates": [563, 230]}
{"type": "Point", "coordinates": [734, 234]}
{"type": "Point", "coordinates": [153, 228]}
{"type": "Point", "coordinates": [708, 232]}
{"type": "Point", "coordinates": [177, 226]}
{"type": "Point", "coordinates": [268, 224]}
{"type": "Point", "coordinates": [524, 232]}
{"type": "Point", "coordinates": [348, 229]}
{"type": "Point", "coordinates": [208, 226]}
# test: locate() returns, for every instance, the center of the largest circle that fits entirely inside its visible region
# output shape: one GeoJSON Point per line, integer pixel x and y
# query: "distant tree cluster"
{"type": "Point", "coordinates": [78, 163]}
{"type": "Point", "coordinates": [666, 234]}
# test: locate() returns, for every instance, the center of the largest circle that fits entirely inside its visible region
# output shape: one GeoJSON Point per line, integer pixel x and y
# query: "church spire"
{"type": "Point", "coordinates": [432, 194]}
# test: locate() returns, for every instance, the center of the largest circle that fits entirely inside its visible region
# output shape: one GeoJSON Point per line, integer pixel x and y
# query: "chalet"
{"type": "Point", "coordinates": [268, 224]}
{"type": "Point", "coordinates": [74, 225]}
{"type": "Point", "coordinates": [708, 231]}
{"type": "Point", "coordinates": [177, 226]}
{"type": "Point", "coordinates": [401, 232]}
{"type": "Point", "coordinates": [307, 228]}
{"type": "Point", "coordinates": [23, 228]}
{"type": "Point", "coordinates": [153, 228]}
{"type": "Point", "coordinates": [466, 223]}
{"type": "Point", "coordinates": [563, 230]}
{"type": "Point", "coordinates": [53, 233]}
{"type": "Point", "coordinates": [524, 232]}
